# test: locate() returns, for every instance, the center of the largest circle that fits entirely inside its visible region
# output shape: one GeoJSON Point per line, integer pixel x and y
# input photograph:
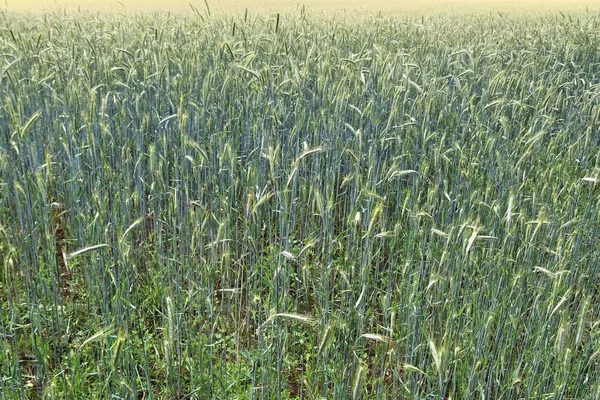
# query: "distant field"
{"type": "Point", "coordinates": [411, 6]}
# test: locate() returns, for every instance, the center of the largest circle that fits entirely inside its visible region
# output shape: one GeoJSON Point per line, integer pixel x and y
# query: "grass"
{"type": "Point", "coordinates": [277, 207]}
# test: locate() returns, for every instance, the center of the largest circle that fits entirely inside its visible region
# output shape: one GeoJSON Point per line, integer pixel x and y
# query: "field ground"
{"type": "Point", "coordinates": [385, 6]}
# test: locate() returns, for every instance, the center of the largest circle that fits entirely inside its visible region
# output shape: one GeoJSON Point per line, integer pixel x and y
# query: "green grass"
{"type": "Point", "coordinates": [270, 207]}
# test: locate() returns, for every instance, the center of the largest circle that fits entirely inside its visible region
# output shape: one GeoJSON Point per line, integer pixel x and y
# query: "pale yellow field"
{"type": "Point", "coordinates": [228, 6]}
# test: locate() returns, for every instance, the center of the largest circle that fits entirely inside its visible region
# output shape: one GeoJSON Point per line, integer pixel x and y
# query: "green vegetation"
{"type": "Point", "coordinates": [295, 207]}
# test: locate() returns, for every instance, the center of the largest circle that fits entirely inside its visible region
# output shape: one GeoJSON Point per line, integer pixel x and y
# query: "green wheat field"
{"type": "Point", "coordinates": [299, 206]}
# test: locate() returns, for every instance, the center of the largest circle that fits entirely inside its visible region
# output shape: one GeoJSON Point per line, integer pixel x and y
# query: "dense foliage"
{"type": "Point", "coordinates": [299, 207]}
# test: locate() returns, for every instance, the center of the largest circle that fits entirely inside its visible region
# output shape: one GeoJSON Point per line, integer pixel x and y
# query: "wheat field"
{"type": "Point", "coordinates": [282, 6]}
{"type": "Point", "coordinates": [300, 204]}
